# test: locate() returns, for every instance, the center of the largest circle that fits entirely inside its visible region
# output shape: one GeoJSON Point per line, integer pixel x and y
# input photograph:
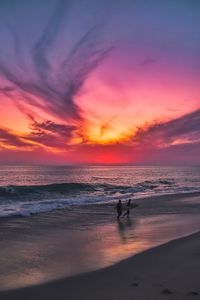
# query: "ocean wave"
{"type": "Point", "coordinates": [38, 191]}
{"type": "Point", "coordinates": [32, 199]}
{"type": "Point", "coordinates": [29, 208]}
{"type": "Point", "coordinates": [57, 190]}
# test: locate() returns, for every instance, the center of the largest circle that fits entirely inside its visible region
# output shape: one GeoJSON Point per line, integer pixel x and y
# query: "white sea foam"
{"type": "Point", "coordinates": [30, 190]}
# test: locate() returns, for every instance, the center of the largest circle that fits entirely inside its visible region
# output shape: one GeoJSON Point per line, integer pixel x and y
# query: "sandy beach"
{"type": "Point", "coordinates": [83, 252]}
{"type": "Point", "coordinates": [168, 271]}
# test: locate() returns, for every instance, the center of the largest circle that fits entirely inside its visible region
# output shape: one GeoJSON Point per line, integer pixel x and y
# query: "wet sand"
{"type": "Point", "coordinates": [46, 247]}
{"type": "Point", "coordinates": [169, 271]}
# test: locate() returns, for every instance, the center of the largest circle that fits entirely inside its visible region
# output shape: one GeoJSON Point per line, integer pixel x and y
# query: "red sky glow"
{"type": "Point", "coordinates": [121, 89]}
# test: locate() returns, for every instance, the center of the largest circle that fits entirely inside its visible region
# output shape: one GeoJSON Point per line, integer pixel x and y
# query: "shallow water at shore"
{"type": "Point", "coordinates": [49, 246]}
{"type": "Point", "coordinates": [27, 190]}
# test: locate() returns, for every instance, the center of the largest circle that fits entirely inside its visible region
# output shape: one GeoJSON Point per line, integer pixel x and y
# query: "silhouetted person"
{"type": "Point", "coordinates": [119, 209]}
{"type": "Point", "coordinates": [128, 207]}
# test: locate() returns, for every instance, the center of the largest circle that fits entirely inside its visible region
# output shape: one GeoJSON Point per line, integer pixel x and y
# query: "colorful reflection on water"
{"type": "Point", "coordinates": [36, 257]}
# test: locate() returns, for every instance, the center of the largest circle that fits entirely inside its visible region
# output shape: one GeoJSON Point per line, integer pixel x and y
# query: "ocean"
{"type": "Point", "coordinates": [60, 221]}
{"type": "Point", "coordinates": [28, 190]}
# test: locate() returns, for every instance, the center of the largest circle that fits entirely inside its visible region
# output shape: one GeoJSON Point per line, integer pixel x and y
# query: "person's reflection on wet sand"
{"type": "Point", "coordinates": [129, 223]}
{"type": "Point", "coordinates": [124, 229]}
{"type": "Point", "coordinates": [121, 229]}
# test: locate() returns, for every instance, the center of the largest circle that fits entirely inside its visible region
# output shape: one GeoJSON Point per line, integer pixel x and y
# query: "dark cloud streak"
{"type": "Point", "coordinates": [43, 134]}
{"type": "Point", "coordinates": [51, 134]}
{"type": "Point", "coordinates": [41, 48]}
{"type": "Point", "coordinates": [163, 134]}
{"type": "Point", "coordinates": [9, 138]}
{"type": "Point", "coordinates": [51, 89]}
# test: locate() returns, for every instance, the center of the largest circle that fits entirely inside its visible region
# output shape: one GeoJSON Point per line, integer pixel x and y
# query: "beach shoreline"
{"type": "Point", "coordinates": [170, 269]}
{"type": "Point", "coordinates": [144, 202]}
{"type": "Point", "coordinates": [50, 246]}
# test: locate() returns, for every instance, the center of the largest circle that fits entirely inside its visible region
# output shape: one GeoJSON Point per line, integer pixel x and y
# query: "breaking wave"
{"type": "Point", "coordinates": [31, 199]}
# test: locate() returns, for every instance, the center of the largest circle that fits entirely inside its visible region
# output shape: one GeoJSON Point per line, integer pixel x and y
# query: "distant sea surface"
{"type": "Point", "coordinates": [26, 190]}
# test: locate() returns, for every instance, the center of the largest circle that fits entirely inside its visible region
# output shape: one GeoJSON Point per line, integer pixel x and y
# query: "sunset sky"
{"type": "Point", "coordinates": [100, 81]}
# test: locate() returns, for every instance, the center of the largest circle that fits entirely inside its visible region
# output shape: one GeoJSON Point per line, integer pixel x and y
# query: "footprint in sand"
{"type": "Point", "coordinates": [135, 284]}
{"type": "Point", "coordinates": [166, 292]}
{"type": "Point", "coordinates": [192, 293]}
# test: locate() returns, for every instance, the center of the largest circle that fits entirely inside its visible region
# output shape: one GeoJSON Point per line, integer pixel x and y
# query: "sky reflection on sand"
{"type": "Point", "coordinates": [32, 257]}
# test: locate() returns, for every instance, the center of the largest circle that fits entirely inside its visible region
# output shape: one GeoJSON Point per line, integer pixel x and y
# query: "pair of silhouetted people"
{"type": "Point", "coordinates": [120, 208]}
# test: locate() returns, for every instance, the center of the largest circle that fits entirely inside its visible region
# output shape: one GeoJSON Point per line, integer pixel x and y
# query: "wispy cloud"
{"type": "Point", "coordinates": [48, 135]}
{"type": "Point", "coordinates": [46, 87]}
{"type": "Point", "coordinates": [185, 129]}
{"type": "Point", "coordinates": [149, 61]}
{"type": "Point", "coordinates": [11, 139]}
